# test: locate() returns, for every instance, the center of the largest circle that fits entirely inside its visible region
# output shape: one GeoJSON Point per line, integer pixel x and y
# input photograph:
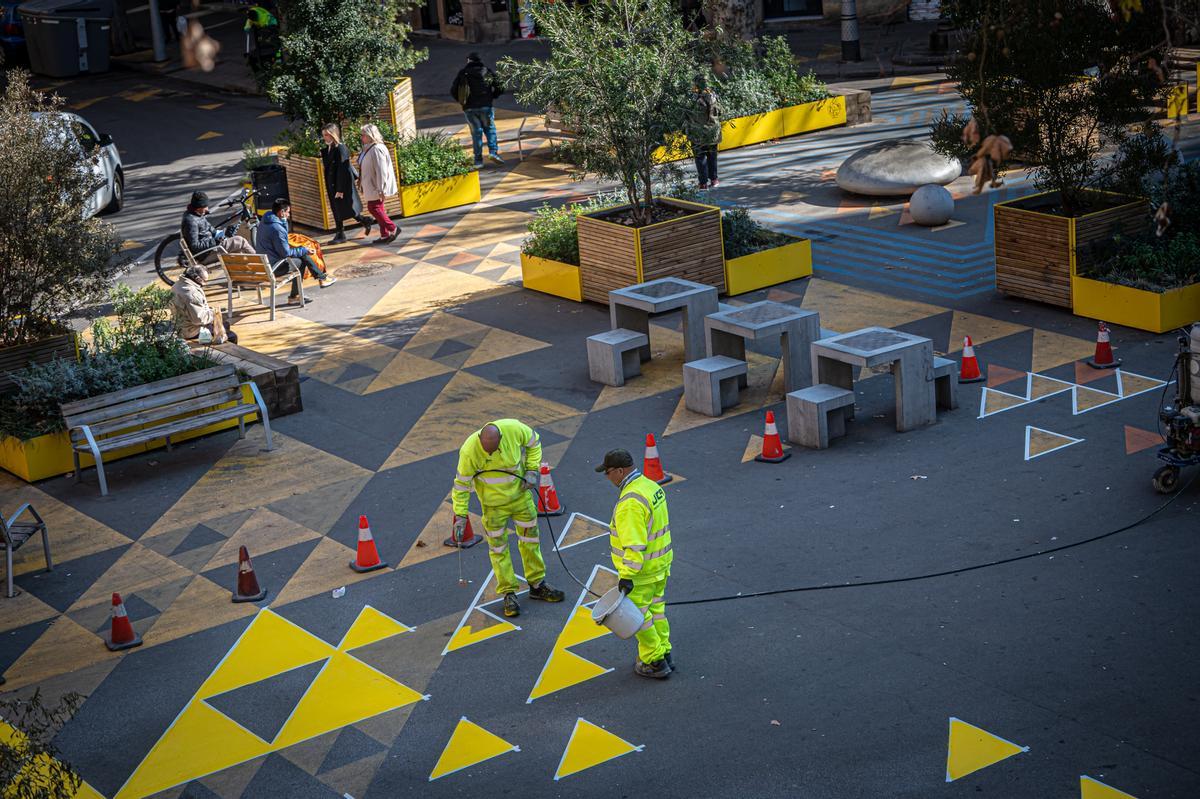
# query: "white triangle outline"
{"type": "Point", "coordinates": [1024, 749]}
{"type": "Point", "coordinates": [570, 617]}
{"type": "Point", "coordinates": [1071, 442]}
{"type": "Point", "coordinates": [567, 748]}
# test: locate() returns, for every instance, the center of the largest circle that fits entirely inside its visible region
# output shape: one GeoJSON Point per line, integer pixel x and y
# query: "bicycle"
{"type": "Point", "coordinates": [172, 255]}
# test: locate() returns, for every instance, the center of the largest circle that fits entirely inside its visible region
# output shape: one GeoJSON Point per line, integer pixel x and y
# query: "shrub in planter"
{"type": "Point", "coordinates": [431, 156]}
{"type": "Point", "coordinates": [554, 230]}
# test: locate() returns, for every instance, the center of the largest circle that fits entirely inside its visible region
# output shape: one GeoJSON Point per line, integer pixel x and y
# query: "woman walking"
{"type": "Point", "coordinates": [339, 183]}
{"type": "Point", "coordinates": [378, 181]}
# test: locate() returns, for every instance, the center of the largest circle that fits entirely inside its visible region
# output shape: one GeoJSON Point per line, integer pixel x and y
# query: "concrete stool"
{"type": "Point", "coordinates": [614, 355]}
{"type": "Point", "coordinates": [945, 380]}
{"type": "Point", "coordinates": [818, 413]}
{"type": "Point", "coordinates": [710, 385]}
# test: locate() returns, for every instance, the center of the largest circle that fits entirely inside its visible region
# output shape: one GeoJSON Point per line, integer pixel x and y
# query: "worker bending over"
{"type": "Point", "coordinates": [493, 459]}
{"type": "Point", "coordinates": [640, 541]}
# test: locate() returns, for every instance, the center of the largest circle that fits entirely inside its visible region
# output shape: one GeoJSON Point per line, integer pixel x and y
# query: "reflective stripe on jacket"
{"type": "Point", "coordinates": [520, 451]}
{"type": "Point", "coordinates": [640, 530]}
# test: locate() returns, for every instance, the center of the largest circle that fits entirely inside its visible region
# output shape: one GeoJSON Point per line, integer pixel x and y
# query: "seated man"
{"type": "Point", "coordinates": [192, 311]}
{"type": "Point", "coordinates": [203, 239]}
{"type": "Point", "coordinates": [273, 239]}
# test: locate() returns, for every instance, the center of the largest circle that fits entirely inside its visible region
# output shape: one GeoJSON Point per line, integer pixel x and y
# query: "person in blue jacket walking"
{"type": "Point", "coordinates": [273, 242]}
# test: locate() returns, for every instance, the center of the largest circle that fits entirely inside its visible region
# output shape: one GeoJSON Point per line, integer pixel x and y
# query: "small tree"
{"type": "Point", "coordinates": [620, 74]}
{"type": "Point", "coordinates": [29, 764]}
{"type": "Point", "coordinates": [52, 261]}
{"type": "Point", "coordinates": [339, 58]}
{"type": "Point", "coordinates": [1063, 79]}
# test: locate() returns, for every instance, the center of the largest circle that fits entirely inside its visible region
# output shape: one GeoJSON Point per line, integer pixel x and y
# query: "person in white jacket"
{"type": "Point", "coordinates": [377, 179]}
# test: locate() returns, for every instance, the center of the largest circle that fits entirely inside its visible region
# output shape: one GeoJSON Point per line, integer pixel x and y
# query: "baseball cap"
{"type": "Point", "coordinates": [615, 459]}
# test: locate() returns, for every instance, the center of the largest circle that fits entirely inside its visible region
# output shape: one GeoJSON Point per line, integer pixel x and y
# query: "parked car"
{"type": "Point", "coordinates": [12, 33]}
{"type": "Point", "coordinates": [105, 162]}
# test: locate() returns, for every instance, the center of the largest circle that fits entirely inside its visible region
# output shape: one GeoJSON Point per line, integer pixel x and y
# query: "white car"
{"type": "Point", "coordinates": [110, 175]}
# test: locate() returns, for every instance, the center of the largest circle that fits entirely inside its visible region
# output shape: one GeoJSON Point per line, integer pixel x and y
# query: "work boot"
{"type": "Point", "coordinates": [658, 670]}
{"type": "Point", "coordinates": [544, 592]}
{"type": "Point", "coordinates": [511, 608]}
{"type": "Point", "coordinates": [670, 661]}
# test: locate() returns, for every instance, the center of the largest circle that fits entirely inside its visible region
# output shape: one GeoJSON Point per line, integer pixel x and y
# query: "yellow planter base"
{"type": "Point", "coordinates": [1130, 307]}
{"type": "Point", "coordinates": [777, 124]}
{"type": "Point", "coordinates": [435, 195]}
{"type": "Point", "coordinates": [551, 277]}
{"type": "Point", "coordinates": [768, 267]}
{"type": "Point", "coordinates": [50, 455]}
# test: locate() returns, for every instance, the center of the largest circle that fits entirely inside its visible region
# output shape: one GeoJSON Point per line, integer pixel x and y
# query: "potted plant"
{"type": "Point", "coordinates": [139, 345]}
{"type": "Point", "coordinates": [626, 70]}
{"type": "Point", "coordinates": [550, 253]}
{"type": "Point", "coordinates": [53, 262]}
{"type": "Point", "coordinates": [1062, 80]}
{"type": "Point", "coordinates": [338, 62]}
{"type": "Point", "coordinates": [757, 257]}
{"type": "Point", "coordinates": [435, 172]}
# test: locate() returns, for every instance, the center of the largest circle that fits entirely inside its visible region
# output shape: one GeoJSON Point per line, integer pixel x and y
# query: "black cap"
{"type": "Point", "coordinates": [615, 459]}
{"type": "Point", "coordinates": [473, 57]}
{"type": "Point", "coordinates": [199, 199]}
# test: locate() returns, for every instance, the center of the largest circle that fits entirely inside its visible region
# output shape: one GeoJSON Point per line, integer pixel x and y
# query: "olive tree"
{"type": "Point", "coordinates": [53, 262]}
{"type": "Point", "coordinates": [620, 74]}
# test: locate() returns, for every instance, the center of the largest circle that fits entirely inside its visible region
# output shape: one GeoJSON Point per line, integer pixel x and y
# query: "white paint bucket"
{"type": "Point", "coordinates": [618, 613]}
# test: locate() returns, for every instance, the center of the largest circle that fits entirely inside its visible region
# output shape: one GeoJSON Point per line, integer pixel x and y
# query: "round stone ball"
{"type": "Point", "coordinates": [931, 205]}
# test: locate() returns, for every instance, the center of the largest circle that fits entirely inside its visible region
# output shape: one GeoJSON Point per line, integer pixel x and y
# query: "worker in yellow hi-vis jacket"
{"type": "Point", "coordinates": [640, 541]}
{"type": "Point", "coordinates": [501, 460]}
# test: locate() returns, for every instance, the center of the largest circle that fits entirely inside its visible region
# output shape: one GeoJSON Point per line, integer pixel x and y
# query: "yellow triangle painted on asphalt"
{"type": "Point", "coordinates": [371, 626]}
{"type": "Point", "coordinates": [1090, 788]}
{"type": "Point", "coordinates": [270, 645]}
{"type": "Point", "coordinates": [995, 401]}
{"type": "Point", "coordinates": [210, 106]}
{"type": "Point", "coordinates": [590, 746]}
{"type": "Point", "coordinates": [1088, 398]}
{"type": "Point", "coordinates": [41, 765]}
{"type": "Point", "coordinates": [562, 670]}
{"type": "Point", "coordinates": [1042, 386]}
{"type": "Point", "coordinates": [201, 741]}
{"type": "Point", "coordinates": [465, 636]}
{"type": "Point", "coordinates": [971, 748]}
{"type": "Point", "coordinates": [270, 114]}
{"type": "Point", "coordinates": [1040, 442]}
{"type": "Point", "coordinates": [211, 134]}
{"type": "Point", "coordinates": [345, 692]}
{"type": "Point", "coordinates": [878, 211]}
{"type": "Point", "coordinates": [1135, 384]}
{"type": "Point", "coordinates": [469, 744]}
{"type": "Point", "coordinates": [580, 628]}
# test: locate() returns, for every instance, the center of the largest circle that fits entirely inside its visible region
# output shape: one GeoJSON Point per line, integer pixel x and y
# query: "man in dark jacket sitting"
{"type": "Point", "coordinates": [475, 88]}
{"type": "Point", "coordinates": [273, 239]}
{"type": "Point", "coordinates": [205, 241]}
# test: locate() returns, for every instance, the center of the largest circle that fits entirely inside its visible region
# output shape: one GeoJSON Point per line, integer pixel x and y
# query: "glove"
{"type": "Point", "coordinates": [532, 481]}
{"type": "Point", "coordinates": [624, 586]}
{"type": "Point", "coordinates": [460, 527]}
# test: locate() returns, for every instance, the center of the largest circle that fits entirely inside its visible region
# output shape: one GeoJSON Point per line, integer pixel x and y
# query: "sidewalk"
{"type": "Point", "coordinates": [887, 51]}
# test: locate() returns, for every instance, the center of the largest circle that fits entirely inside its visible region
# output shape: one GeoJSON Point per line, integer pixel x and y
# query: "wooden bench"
{"type": "Point", "coordinates": [257, 272]}
{"type": "Point", "coordinates": [614, 356]}
{"type": "Point", "coordinates": [552, 129]}
{"type": "Point", "coordinates": [151, 411]}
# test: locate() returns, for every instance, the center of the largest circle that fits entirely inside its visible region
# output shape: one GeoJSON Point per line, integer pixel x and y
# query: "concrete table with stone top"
{"type": "Point", "coordinates": [911, 360]}
{"type": "Point", "coordinates": [729, 330]}
{"type": "Point", "coordinates": [632, 306]}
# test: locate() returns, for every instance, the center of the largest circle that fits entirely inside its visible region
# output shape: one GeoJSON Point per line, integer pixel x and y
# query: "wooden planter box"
{"type": "Point", "coordinates": [777, 124]}
{"type": "Point", "coordinates": [551, 277]}
{"type": "Point", "coordinates": [398, 111]}
{"type": "Point", "coordinates": [1038, 253]}
{"type": "Point", "coordinates": [306, 191]}
{"type": "Point", "coordinates": [769, 267]}
{"type": "Point", "coordinates": [50, 455]}
{"type": "Point", "coordinates": [613, 256]}
{"type": "Point", "coordinates": [19, 356]}
{"type": "Point", "coordinates": [1144, 310]}
{"type": "Point", "coordinates": [434, 195]}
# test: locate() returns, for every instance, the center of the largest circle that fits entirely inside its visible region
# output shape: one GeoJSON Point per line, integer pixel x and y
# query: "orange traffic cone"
{"type": "Point", "coordinates": [772, 448]}
{"type": "Point", "coordinates": [468, 540]}
{"type": "Point", "coordinates": [1103, 359]}
{"type": "Point", "coordinates": [652, 465]}
{"type": "Point", "coordinates": [368, 557]}
{"type": "Point", "coordinates": [548, 504]}
{"type": "Point", "coordinates": [969, 371]}
{"type": "Point", "coordinates": [247, 582]}
{"type": "Point", "coordinates": [122, 635]}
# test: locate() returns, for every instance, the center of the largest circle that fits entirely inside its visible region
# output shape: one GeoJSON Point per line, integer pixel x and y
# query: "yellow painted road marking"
{"type": "Point", "coordinates": [212, 134]}
{"type": "Point", "coordinates": [1090, 788]}
{"type": "Point", "coordinates": [82, 104]}
{"type": "Point", "coordinates": [371, 625]}
{"type": "Point", "coordinates": [469, 744]}
{"type": "Point", "coordinates": [971, 749]}
{"type": "Point", "coordinates": [590, 746]}
{"type": "Point", "coordinates": [1039, 442]}
{"type": "Point", "coordinates": [563, 667]}
{"type": "Point", "coordinates": [210, 106]}
{"type": "Point", "coordinates": [270, 114]}
{"type": "Point", "coordinates": [139, 94]}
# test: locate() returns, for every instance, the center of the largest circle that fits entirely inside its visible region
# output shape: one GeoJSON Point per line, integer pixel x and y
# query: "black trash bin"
{"type": "Point", "coordinates": [67, 37]}
{"type": "Point", "coordinates": [270, 182]}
